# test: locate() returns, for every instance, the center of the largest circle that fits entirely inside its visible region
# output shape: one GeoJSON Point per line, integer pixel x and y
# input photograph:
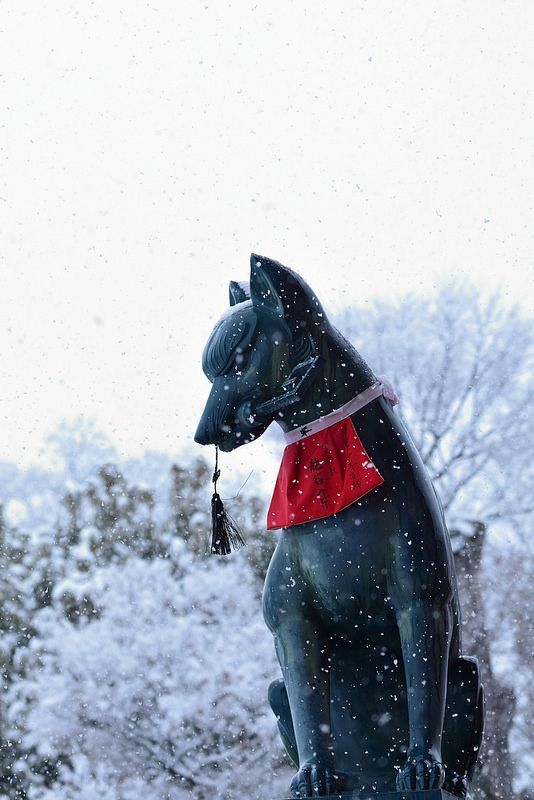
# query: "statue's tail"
{"type": "Point", "coordinates": [464, 725]}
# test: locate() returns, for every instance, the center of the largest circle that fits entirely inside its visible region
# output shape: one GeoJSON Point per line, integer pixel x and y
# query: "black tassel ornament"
{"type": "Point", "coordinates": [225, 535]}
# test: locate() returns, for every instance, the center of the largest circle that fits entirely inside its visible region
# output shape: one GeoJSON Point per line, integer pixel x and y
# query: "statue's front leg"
{"type": "Point", "coordinates": [425, 632]}
{"type": "Point", "coordinates": [301, 654]}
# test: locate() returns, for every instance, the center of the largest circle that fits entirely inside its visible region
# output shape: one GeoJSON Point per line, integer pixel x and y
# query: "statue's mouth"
{"type": "Point", "coordinates": [230, 441]}
{"type": "Point", "coordinates": [227, 444]}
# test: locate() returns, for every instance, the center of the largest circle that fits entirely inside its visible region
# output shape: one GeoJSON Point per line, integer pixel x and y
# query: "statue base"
{"type": "Point", "coordinates": [426, 794]}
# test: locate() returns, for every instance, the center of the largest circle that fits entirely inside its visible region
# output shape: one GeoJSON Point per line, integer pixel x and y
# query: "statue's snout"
{"type": "Point", "coordinates": [214, 426]}
{"type": "Point", "coordinates": [206, 429]}
{"type": "Point", "coordinates": [229, 419]}
{"type": "Point", "coordinates": [202, 435]}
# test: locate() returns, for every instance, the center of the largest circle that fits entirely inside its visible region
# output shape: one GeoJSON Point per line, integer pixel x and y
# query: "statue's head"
{"type": "Point", "coordinates": [272, 326]}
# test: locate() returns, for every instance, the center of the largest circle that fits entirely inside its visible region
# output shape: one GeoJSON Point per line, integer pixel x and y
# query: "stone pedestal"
{"type": "Point", "coordinates": [428, 794]}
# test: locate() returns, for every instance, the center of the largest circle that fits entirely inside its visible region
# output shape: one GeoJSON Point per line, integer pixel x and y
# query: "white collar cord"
{"type": "Point", "coordinates": [381, 386]}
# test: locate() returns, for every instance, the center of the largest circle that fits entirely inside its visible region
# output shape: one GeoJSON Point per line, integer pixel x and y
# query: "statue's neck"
{"type": "Point", "coordinates": [344, 375]}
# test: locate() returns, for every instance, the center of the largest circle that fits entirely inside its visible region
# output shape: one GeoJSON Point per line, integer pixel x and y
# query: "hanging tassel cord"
{"type": "Point", "coordinates": [225, 535]}
{"type": "Point", "coordinates": [216, 472]}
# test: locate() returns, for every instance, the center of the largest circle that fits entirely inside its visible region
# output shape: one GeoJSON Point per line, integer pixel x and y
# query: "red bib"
{"type": "Point", "coordinates": [321, 475]}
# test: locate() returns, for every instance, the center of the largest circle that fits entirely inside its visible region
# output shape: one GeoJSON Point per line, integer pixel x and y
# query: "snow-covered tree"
{"type": "Point", "coordinates": [12, 629]}
{"type": "Point", "coordinates": [26, 571]}
{"type": "Point", "coordinates": [162, 693]}
{"type": "Point", "coordinates": [76, 447]}
{"type": "Point", "coordinates": [144, 664]}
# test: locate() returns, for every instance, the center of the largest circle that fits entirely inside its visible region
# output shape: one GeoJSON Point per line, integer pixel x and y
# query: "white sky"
{"type": "Point", "coordinates": [147, 148]}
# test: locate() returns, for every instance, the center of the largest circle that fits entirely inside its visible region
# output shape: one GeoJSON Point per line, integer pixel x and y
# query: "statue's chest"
{"type": "Point", "coordinates": [345, 576]}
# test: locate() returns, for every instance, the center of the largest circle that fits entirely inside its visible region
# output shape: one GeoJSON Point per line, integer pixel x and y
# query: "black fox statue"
{"type": "Point", "coordinates": [360, 595]}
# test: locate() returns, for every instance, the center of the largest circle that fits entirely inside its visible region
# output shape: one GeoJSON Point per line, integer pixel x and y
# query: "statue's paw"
{"type": "Point", "coordinates": [420, 772]}
{"type": "Point", "coordinates": [313, 780]}
{"type": "Point", "coordinates": [458, 785]}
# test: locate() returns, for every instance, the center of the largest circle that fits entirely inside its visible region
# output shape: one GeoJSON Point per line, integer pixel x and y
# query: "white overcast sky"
{"type": "Point", "coordinates": [147, 148]}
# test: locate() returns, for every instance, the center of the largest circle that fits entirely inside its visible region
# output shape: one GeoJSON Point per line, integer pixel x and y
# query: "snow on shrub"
{"type": "Point", "coordinates": [162, 693]}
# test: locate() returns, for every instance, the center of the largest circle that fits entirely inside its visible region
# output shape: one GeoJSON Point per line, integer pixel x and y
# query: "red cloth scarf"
{"type": "Point", "coordinates": [326, 469]}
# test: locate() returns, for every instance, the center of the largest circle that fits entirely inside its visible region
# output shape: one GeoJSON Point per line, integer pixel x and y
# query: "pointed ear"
{"type": "Point", "coordinates": [266, 287]}
{"type": "Point", "coordinates": [282, 294]}
{"type": "Point", "coordinates": [238, 292]}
